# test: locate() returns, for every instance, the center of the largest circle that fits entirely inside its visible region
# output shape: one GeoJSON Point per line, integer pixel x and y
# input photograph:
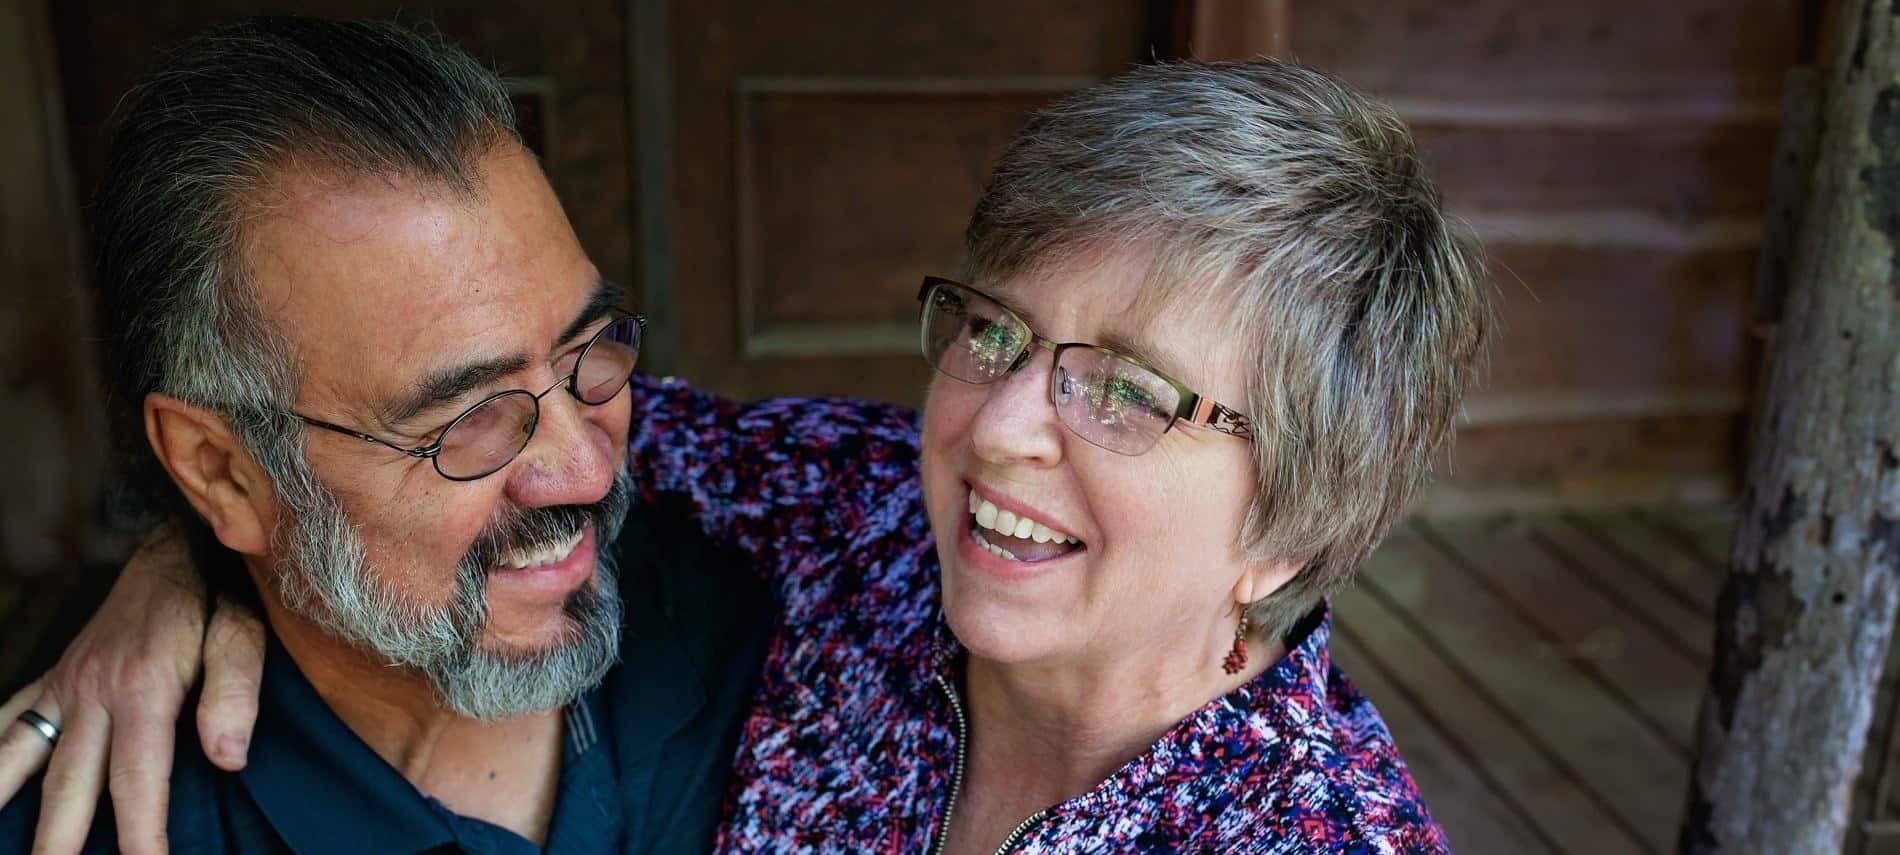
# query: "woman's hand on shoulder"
{"type": "Point", "coordinates": [115, 696]}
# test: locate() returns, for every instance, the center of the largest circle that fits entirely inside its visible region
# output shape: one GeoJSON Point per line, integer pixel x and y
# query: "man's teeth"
{"type": "Point", "coordinates": [537, 556]}
{"type": "Point", "coordinates": [995, 519]}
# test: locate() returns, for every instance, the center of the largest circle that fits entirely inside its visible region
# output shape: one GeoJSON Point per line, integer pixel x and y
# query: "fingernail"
{"type": "Point", "coordinates": [231, 746]}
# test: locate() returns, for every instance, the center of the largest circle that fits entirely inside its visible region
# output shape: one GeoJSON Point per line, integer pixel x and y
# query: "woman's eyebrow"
{"type": "Point", "coordinates": [1133, 346]}
{"type": "Point", "coordinates": [1008, 301]}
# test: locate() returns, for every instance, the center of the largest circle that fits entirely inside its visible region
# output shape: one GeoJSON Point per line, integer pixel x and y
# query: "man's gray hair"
{"type": "Point", "coordinates": [1298, 207]}
{"type": "Point", "coordinates": [196, 151]}
{"type": "Point", "coordinates": [192, 149]}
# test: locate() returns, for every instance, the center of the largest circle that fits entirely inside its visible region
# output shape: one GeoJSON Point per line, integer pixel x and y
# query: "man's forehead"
{"type": "Point", "coordinates": [376, 280]}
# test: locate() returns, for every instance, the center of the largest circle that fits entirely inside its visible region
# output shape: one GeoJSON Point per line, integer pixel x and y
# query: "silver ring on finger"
{"type": "Point", "coordinates": [41, 725]}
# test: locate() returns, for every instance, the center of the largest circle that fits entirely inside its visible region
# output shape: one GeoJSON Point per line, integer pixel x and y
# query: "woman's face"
{"type": "Point", "coordinates": [1158, 557]}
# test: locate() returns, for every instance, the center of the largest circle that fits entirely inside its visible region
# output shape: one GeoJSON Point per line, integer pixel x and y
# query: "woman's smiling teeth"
{"type": "Point", "coordinates": [552, 553]}
{"type": "Point", "coordinates": [1017, 538]}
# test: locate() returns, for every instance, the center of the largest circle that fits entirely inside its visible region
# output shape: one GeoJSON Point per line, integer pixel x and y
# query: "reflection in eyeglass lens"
{"type": "Point", "coordinates": [1119, 395]}
{"type": "Point", "coordinates": [993, 345]}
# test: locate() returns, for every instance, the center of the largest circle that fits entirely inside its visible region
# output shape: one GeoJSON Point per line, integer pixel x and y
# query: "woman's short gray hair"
{"type": "Point", "coordinates": [1299, 208]}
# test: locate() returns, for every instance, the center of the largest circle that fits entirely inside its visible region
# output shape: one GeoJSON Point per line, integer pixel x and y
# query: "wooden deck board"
{"type": "Point", "coordinates": [1703, 534]}
{"type": "Point", "coordinates": [1684, 576]}
{"type": "Point", "coordinates": [1445, 764]}
{"type": "Point", "coordinates": [1608, 754]}
{"type": "Point", "coordinates": [1647, 675]}
{"type": "Point", "coordinates": [1599, 567]}
{"type": "Point", "coordinates": [1521, 777]}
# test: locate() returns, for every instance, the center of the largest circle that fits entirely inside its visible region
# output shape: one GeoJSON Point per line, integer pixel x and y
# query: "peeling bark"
{"type": "Point", "coordinates": [1804, 619]}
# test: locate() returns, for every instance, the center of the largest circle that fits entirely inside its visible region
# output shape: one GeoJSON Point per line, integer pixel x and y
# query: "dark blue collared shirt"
{"type": "Point", "coordinates": [644, 760]}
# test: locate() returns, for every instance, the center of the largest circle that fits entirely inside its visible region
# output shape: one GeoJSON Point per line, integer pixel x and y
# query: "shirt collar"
{"type": "Point", "coordinates": [312, 776]}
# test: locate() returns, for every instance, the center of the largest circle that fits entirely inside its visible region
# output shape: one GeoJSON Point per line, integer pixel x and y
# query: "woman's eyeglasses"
{"type": "Point", "coordinates": [1110, 399]}
{"type": "Point", "coordinates": [489, 435]}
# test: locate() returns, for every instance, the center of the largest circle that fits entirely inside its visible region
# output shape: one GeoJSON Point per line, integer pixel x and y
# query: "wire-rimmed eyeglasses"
{"type": "Point", "coordinates": [490, 434]}
{"type": "Point", "coordinates": [1106, 397]}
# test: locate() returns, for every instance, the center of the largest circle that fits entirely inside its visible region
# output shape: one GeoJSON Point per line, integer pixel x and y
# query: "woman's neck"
{"type": "Point", "coordinates": [1044, 733]}
{"type": "Point", "coordinates": [1070, 726]}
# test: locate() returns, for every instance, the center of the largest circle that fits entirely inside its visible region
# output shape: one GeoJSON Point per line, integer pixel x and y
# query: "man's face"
{"type": "Point", "coordinates": [388, 288]}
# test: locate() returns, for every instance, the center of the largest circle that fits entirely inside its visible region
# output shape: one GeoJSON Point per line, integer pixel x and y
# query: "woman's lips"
{"type": "Point", "coordinates": [975, 556]}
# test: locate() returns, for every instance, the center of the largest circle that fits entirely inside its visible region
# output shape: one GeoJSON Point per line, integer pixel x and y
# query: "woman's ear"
{"type": "Point", "coordinates": [1261, 578]}
{"type": "Point", "coordinates": [214, 470]}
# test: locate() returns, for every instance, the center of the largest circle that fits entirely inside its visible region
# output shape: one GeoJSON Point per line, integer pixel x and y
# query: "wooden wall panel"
{"type": "Point", "coordinates": [1707, 55]}
{"type": "Point", "coordinates": [826, 156]}
{"type": "Point", "coordinates": [1672, 170]}
{"type": "Point", "coordinates": [570, 57]}
{"type": "Point", "coordinates": [1613, 158]}
{"type": "Point", "coordinates": [1618, 319]}
{"type": "Point", "coordinates": [836, 221]}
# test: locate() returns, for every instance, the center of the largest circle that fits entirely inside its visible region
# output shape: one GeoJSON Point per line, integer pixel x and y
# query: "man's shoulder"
{"type": "Point", "coordinates": [668, 565]}
{"type": "Point", "coordinates": [697, 620]}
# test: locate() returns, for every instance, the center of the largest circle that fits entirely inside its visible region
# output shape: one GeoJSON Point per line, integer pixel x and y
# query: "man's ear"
{"type": "Point", "coordinates": [1263, 577]}
{"type": "Point", "coordinates": [215, 472]}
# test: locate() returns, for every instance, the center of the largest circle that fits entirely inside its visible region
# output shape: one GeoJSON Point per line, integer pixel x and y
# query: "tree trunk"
{"type": "Point", "coordinates": [1804, 619]}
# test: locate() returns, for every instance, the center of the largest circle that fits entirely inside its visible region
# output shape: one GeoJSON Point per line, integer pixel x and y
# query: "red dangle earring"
{"type": "Point", "coordinates": [1237, 657]}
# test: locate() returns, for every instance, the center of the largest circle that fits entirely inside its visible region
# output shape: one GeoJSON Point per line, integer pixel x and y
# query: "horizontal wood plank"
{"type": "Point", "coordinates": [1478, 811]}
{"type": "Point", "coordinates": [1646, 673]}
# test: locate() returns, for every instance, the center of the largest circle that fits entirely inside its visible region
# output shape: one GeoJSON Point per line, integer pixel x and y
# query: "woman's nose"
{"type": "Point", "coordinates": [1017, 424]}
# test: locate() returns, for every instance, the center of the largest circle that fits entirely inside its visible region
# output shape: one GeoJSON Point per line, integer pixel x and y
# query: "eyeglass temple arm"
{"type": "Point", "coordinates": [426, 451]}
{"type": "Point", "coordinates": [1213, 415]}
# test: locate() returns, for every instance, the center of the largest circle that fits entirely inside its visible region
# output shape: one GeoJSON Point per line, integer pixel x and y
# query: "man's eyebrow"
{"type": "Point", "coordinates": [445, 385]}
{"type": "Point", "coordinates": [605, 299]}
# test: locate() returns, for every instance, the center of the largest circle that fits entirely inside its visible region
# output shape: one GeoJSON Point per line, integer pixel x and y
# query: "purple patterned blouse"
{"type": "Point", "coordinates": [854, 740]}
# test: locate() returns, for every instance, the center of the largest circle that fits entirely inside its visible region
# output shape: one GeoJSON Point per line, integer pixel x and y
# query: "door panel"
{"type": "Point", "coordinates": [826, 158]}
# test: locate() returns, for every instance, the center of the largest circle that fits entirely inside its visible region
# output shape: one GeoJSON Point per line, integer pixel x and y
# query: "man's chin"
{"type": "Point", "coordinates": [532, 642]}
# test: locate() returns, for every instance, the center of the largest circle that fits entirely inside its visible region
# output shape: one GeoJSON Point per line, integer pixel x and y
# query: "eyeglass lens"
{"type": "Point", "coordinates": [487, 437]}
{"type": "Point", "coordinates": [1099, 395]}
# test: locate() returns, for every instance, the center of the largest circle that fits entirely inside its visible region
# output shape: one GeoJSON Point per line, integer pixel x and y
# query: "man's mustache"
{"type": "Point", "coordinates": [529, 528]}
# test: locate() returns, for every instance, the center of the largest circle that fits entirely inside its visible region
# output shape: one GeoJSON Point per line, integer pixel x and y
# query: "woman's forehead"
{"type": "Point", "coordinates": [1126, 302]}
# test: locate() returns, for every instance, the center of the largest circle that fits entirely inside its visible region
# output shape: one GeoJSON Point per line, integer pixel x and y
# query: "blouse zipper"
{"type": "Point", "coordinates": [956, 782]}
{"type": "Point", "coordinates": [1022, 828]}
{"type": "Point", "coordinates": [956, 774]}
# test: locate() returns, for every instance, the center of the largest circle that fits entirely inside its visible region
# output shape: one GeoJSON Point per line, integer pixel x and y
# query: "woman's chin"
{"type": "Point", "coordinates": [1003, 632]}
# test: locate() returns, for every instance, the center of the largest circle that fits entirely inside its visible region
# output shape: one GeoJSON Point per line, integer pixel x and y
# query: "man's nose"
{"type": "Point", "coordinates": [568, 461]}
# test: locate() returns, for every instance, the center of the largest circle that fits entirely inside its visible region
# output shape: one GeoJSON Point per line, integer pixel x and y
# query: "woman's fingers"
{"type": "Point", "coordinates": [23, 751]}
{"type": "Point", "coordinates": [70, 790]}
{"type": "Point", "coordinates": [140, 768]}
{"type": "Point", "coordinates": [120, 686]}
{"type": "Point", "coordinates": [233, 667]}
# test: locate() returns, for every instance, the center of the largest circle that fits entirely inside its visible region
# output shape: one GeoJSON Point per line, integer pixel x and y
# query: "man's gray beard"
{"type": "Point", "coordinates": [325, 576]}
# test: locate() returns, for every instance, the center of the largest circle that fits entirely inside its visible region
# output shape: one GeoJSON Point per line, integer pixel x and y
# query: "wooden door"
{"type": "Point", "coordinates": [825, 157]}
